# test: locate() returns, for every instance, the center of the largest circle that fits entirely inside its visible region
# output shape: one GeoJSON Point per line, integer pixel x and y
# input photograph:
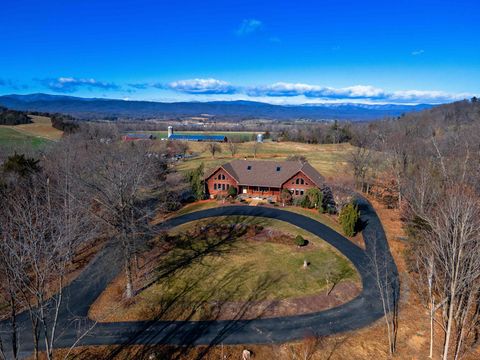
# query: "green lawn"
{"type": "Point", "coordinates": [13, 138]}
{"type": "Point", "coordinates": [231, 264]}
{"type": "Point", "coordinates": [197, 206]}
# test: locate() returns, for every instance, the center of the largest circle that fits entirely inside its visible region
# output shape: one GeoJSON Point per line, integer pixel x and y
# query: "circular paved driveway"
{"type": "Point", "coordinates": [359, 312]}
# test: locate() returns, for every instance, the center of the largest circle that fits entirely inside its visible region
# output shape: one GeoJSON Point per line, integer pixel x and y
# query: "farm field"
{"type": "Point", "coordinates": [329, 159]}
{"type": "Point", "coordinates": [224, 265]}
{"type": "Point", "coordinates": [41, 127]}
{"type": "Point", "coordinates": [34, 135]}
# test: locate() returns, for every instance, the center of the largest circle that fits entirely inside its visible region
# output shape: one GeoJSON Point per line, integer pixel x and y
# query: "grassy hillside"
{"type": "Point", "coordinates": [33, 135]}
{"type": "Point", "coordinates": [41, 127]}
{"type": "Point", "coordinates": [13, 138]}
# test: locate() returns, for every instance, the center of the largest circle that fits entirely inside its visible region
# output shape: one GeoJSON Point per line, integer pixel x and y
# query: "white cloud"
{"type": "Point", "coordinates": [432, 96]}
{"type": "Point", "coordinates": [315, 91]}
{"type": "Point", "coordinates": [418, 52]}
{"type": "Point", "coordinates": [71, 84]}
{"type": "Point", "coordinates": [202, 86]}
{"type": "Point", "coordinates": [249, 26]}
{"type": "Point", "coordinates": [356, 92]}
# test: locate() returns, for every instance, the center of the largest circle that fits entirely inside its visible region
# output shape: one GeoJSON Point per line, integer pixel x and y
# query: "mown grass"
{"type": "Point", "coordinates": [11, 138]}
{"type": "Point", "coordinates": [202, 205]}
{"type": "Point", "coordinates": [211, 266]}
{"type": "Point", "coordinates": [329, 159]}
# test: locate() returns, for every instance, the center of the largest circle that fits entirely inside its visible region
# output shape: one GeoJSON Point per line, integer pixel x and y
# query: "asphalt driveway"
{"type": "Point", "coordinates": [359, 312]}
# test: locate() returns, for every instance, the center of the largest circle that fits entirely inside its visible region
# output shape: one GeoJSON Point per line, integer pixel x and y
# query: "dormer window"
{"type": "Point", "coordinates": [278, 168]}
{"type": "Point", "coordinates": [249, 167]}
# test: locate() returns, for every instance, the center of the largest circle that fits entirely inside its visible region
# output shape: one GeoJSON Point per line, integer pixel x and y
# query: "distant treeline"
{"type": "Point", "coordinates": [13, 117]}
{"type": "Point", "coordinates": [315, 133]}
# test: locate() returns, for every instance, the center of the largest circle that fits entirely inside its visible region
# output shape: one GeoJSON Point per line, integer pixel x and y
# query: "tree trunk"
{"type": "Point", "coordinates": [128, 274]}
{"type": "Point", "coordinates": [432, 316]}
{"type": "Point", "coordinates": [448, 331]}
{"type": "Point", "coordinates": [13, 322]}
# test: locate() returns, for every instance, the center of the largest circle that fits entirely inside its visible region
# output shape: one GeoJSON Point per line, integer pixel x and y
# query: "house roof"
{"type": "Point", "coordinates": [197, 137]}
{"type": "Point", "coordinates": [267, 173]}
{"type": "Point", "coordinates": [139, 136]}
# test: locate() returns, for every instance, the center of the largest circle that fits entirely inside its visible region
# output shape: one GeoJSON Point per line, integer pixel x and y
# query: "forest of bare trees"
{"type": "Point", "coordinates": [86, 186]}
{"type": "Point", "coordinates": [427, 165]}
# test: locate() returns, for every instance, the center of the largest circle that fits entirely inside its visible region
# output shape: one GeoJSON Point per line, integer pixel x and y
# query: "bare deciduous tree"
{"type": "Point", "coordinates": [256, 147]}
{"type": "Point", "coordinates": [447, 254]}
{"type": "Point", "coordinates": [383, 270]}
{"type": "Point", "coordinates": [119, 177]}
{"type": "Point", "coordinates": [41, 228]}
{"type": "Point", "coordinates": [232, 146]}
{"type": "Point", "coordinates": [213, 148]}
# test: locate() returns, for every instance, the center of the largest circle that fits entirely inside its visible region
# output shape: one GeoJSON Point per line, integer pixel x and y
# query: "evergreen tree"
{"type": "Point", "coordinates": [21, 165]}
{"type": "Point", "coordinates": [232, 191]}
{"type": "Point", "coordinates": [315, 198]}
{"type": "Point", "coordinates": [349, 217]}
{"type": "Point", "coordinates": [197, 183]}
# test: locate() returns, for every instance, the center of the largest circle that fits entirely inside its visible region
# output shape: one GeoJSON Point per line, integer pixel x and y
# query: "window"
{"type": "Point", "coordinates": [297, 181]}
{"type": "Point", "coordinates": [301, 192]}
{"type": "Point", "coordinates": [278, 168]}
{"type": "Point", "coordinates": [223, 177]}
{"type": "Point", "coordinates": [249, 167]}
{"type": "Point", "coordinates": [214, 186]}
{"type": "Point", "coordinates": [223, 186]}
{"type": "Point", "coordinates": [296, 191]}
{"type": "Point", "coordinates": [302, 181]}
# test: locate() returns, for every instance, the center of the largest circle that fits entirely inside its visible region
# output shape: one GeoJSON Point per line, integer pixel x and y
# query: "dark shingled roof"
{"type": "Point", "coordinates": [267, 173]}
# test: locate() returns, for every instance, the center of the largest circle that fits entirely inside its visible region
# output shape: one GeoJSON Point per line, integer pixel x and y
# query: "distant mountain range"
{"type": "Point", "coordinates": [233, 110]}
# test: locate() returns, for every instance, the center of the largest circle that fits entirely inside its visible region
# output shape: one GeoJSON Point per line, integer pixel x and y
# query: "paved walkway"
{"type": "Point", "coordinates": [361, 311]}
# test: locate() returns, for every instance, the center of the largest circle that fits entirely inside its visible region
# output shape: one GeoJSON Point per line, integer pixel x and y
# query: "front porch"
{"type": "Point", "coordinates": [260, 192]}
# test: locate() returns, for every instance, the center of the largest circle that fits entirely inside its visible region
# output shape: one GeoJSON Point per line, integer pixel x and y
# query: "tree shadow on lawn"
{"type": "Point", "coordinates": [184, 301]}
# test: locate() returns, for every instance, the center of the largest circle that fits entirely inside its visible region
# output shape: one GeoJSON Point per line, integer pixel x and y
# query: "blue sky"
{"type": "Point", "coordinates": [276, 51]}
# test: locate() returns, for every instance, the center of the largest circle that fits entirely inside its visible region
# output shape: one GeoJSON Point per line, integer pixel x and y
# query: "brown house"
{"type": "Point", "coordinates": [264, 179]}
